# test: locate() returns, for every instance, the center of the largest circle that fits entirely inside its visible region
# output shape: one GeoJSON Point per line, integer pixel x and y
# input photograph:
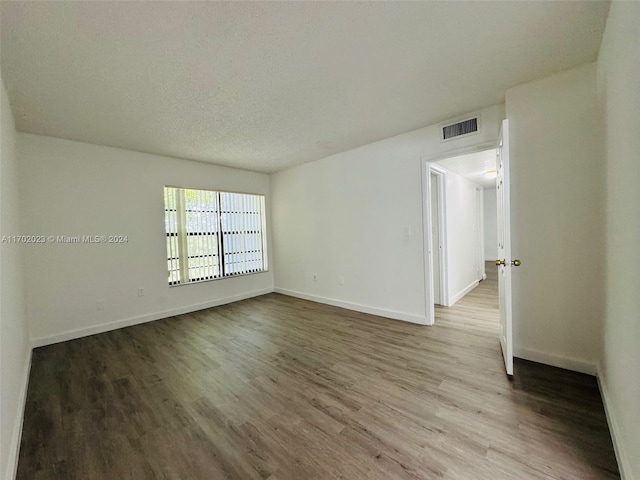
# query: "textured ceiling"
{"type": "Point", "coordinates": [474, 166]}
{"type": "Point", "coordinates": [263, 85]}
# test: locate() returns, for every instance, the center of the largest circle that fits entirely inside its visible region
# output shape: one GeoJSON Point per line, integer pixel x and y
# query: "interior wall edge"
{"type": "Point", "coordinates": [454, 298]}
{"type": "Point", "coordinates": [128, 322]}
{"type": "Point", "coordinates": [380, 312]}
{"type": "Point", "coordinates": [614, 426]}
{"type": "Point", "coordinates": [16, 434]}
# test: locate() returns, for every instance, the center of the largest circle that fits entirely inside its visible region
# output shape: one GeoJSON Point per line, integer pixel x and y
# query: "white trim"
{"type": "Point", "coordinates": [16, 436]}
{"type": "Point", "coordinates": [428, 248]}
{"type": "Point", "coordinates": [425, 172]}
{"type": "Point", "coordinates": [442, 232]}
{"type": "Point", "coordinates": [462, 293]}
{"type": "Point", "coordinates": [381, 312]}
{"type": "Point", "coordinates": [456, 152]}
{"type": "Point", "coordinates": [614, 427]}
{"type": "Point", "coordinates": [567, 363]}
{"type": "Point", "coordinates": [480, 219]}
{"type": "Point", "coordinates": [438, 169]}
{"type": "Point", "coordinates": [127, 322]}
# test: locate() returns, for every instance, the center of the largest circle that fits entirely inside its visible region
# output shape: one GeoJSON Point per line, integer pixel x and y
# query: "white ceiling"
{"type": "Point", "coordinates": [474, 166]}
{"type": "Point", "coordinates": [263, 85]}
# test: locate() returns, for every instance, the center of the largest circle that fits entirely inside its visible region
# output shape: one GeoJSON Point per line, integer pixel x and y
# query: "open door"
{"type": "Point", "coordinates": [504, 261]}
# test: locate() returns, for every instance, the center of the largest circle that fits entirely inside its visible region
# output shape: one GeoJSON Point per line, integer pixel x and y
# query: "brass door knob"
{"type": "Point", "coordinates": [501, 262]}
{"type": "Point", "coordinates": [516, 263]}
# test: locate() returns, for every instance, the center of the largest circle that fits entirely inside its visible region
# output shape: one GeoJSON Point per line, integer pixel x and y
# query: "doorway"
{"type": "Point", "coordinates": [455, 259]}
{"type": "Point", "coordinates": [454, 225]}
{"type": "Point", "coordinates": [479, 230]}
{"type": "Point", "coordinates": [436, 249]}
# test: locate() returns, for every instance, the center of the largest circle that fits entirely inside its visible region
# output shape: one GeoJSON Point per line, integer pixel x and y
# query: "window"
{"type": "Point", "coordinates": [213, 234]}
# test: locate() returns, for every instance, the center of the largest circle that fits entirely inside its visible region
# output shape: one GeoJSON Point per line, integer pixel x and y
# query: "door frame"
{"type": "Point", "coordinates": [482, 274]}
{"type": "Point", "coordinates": [428, 165]}
{"type": "Point", "coordinates": [439, 172]}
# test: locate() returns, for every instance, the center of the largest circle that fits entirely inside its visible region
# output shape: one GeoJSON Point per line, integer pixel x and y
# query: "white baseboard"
{"type": "Point", "coordinates": [16, 435]}
{"type": "Point", "coordinates": [452, 300]}
{"type": "Point", "coordinates": [614, 428]}
{"type": "Point", "coordinates": [381, 312]}
{"type": "Point", "coordinates": [105, 327]}
{"type": "Point", "coordinates": [567, 363]}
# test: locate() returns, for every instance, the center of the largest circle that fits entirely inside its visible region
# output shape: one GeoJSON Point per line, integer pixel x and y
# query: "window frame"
{"type": "Point", "coordinates": [220, 253]}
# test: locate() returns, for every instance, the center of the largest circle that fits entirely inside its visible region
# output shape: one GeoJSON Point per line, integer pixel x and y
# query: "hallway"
{"type": "Point", "coordinates": [478, 310]}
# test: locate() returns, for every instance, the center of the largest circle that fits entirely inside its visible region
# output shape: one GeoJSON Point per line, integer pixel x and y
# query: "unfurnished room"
{"type": "Point", "coordinates": [283, 240]}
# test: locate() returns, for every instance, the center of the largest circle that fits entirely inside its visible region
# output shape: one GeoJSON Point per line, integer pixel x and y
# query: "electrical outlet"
{"type": "Point", "coordinates": [315, 277]}
{"type": "Point", "coordinates": [141, 292]}
{"type": "Point", "coordinates": [100, 304]}
{"type": "Point", "coordinates": [406, 232]}
{"type": "Point", "coordinates": [341, 280]}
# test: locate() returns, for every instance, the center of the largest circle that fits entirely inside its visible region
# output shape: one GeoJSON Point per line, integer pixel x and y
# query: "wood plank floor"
{"type": "Point", "coordinates": [280, 388]}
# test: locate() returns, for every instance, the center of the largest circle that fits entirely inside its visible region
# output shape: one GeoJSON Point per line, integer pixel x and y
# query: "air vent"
{"type": "Point", "coordinates": [454, 130]}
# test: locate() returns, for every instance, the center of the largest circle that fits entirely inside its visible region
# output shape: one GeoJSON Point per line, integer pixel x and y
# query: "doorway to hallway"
{"type": "Point", "coordinates": [455, 217]}
{"type": "Point", "coordinates": [454, 251]}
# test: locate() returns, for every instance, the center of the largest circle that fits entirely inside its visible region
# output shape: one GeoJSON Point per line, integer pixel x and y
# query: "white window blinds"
{"type": "Point", "coordinates": [213, 234]}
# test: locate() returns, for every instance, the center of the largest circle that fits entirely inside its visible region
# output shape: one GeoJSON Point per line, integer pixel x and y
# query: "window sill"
{"type": "Point", "coordinates": [219, 278]}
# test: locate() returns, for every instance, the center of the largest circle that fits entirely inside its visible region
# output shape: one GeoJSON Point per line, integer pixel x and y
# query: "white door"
{"type": "Point", "coordinates": [504, 247]}
{"type": "Point", "coordinates": [435, 238]}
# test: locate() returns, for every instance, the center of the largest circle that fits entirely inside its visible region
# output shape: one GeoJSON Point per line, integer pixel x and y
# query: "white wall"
{"type": "Point", "coordinates": [72, 188]}
{"type": "Point", "coordinates": [557, 219]}
{"type": "Point", "coordinates": [343, 216]}
{"type": "Point", "coordinates": [490, 224]}
{"type": "Point", "coordinates": [462, 237]}
{"type": "Point", "coordinates": [619, 89]}
{"type": "Point", "coordinates": [14, 341]}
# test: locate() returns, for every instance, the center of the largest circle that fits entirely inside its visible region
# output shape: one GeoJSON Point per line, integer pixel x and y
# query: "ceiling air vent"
{"type": "Point", "coordinates": [458, 129]}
